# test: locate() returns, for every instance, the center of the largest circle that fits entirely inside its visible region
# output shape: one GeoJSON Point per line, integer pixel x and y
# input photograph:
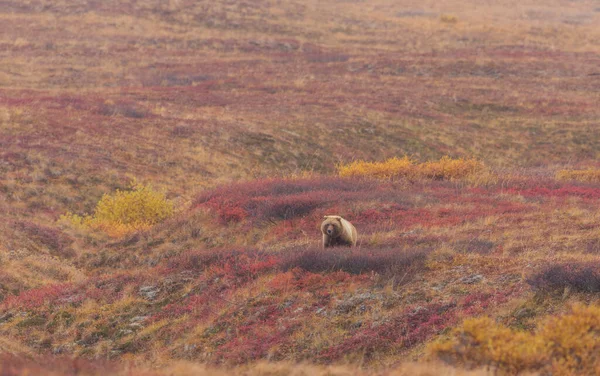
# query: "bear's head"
{"type": "Point", "coordinates": [332, 226]}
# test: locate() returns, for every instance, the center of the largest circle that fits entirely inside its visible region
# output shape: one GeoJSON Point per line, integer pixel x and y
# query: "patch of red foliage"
{"type": "Point", "coordinates": [234, 265]}
{"type": "Point", "coordinates": [478, 302]}
{"type": "Point", "coordinates": [244, 267]}
{"type": "Point", "coordinates": [585, 192]}
{"type": "Point", "coordinates": [577, 276]}
{"type": "Point", "coordinates": [258, 336]}
{"type": "Point", "coordinates": [383, 205]}
{"type": "Point", "coordinates": [385, 261]}
{"type": "Point", "coordinates": [35, 299]}
{"type": "Point", "coordinates": [413, 326]}
{"type": "Point", "coordinates": [198, 306]}
{"type": "Point", "coordinates": [110, 287]}
{"type": "Point", "coordinates": [54, 239]}
{"type": "Point", "coordinates": [279, 199]}
{"type": "Point", "coordinates": [301, 280]}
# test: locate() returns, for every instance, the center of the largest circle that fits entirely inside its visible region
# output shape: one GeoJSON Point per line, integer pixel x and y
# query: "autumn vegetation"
{"type": "Point", "coordinates": [164, 167]}
{"type": "Point", "coordinates": [123, 212]}
{"type": "Point", "coordinates": [444, 169]}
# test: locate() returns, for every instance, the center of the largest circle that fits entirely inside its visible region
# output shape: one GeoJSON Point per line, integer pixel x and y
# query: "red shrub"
{"type": "Point", "coordinates": [55, 240]}
{"type": "Point", "coordinates": [413, 326]}
{"type": "Point", "coordinates": [36, 298]}
{"type": "Point", "coordinates": [256, 341]}
{"type": "Point", "coordinates": [239, 262]}
{"type": "Point", "coordinates": [276, 199]}
{"type": "Point", "coordinates": [582, 277]}
{"type": "Point", "coordinates": [110, 287]}
{"type": "Point", "coordinates": [388, 261]}
{"type": "Point", "coordinates": [234, 267]}
{"type": "Point", "coordinates": [200, 306]}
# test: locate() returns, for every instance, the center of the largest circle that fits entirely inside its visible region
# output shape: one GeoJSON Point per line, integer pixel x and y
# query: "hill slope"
{"type": "Point", "coordinates": [218, 287]}
{"type": "Point", "coordinates": [219, 103]}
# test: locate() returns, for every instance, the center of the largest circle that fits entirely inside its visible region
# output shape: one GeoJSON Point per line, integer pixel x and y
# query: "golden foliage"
{"type": "Point", "coordinates": [448, 18]}
{"type": "Point", "coordinates": [591, 175]}
{"type": "Point", "coordinates": [391, 168]}
{"type": "Point", "coordinates": [124, 212]}
{"type": "Point", "coordinates": [448, 168]}
{"type": "Point", "coordinates": [444, 169]}
{"type": "Point", "coordinates": [561, 345]}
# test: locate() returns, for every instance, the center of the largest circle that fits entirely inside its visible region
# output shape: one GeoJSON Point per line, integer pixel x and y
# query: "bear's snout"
{"type": "Point", "coordinates": [329, 231]}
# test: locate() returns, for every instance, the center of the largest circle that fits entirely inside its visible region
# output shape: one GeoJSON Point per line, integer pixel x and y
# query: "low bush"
{"type": "Point", "coordinates": [397, 333]}
{"type": "Point", "coordinates": [236, 266]}
{"type": "Point", "coordinates": [279, 199]}
{"type": "Point", "coordinates": [391, 168]}
{"type": "Point", "coordinates": [387, 261]}
{"type": "Point", "coordinates": [57, 242]}
{"type": "Point", "coordinates": [563, 345]}
{"type": "Point", "coordinates": [481, 342]}
{"type": "Point", "coordinates": [448, 168]}
{"type": "Point", "coordinates": [33, 299]}
{"type": "Point", "coordinates": [578, 277]}
{"type": "Point", "coordinates": [124, 212]}
{"type": "Point", "coordinates": [448, 18]}
{"type": "Point", "coordinates": [445, 169]}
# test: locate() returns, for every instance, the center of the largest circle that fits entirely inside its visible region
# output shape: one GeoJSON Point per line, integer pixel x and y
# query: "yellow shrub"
{"type": "Point", "coordinates": [573, 341]}
{"type": "Point", "coordinates": [481, 342]}
{"type": "Point", "coordinates": [391, 168]}
{"type": "Point", "coordinates": [591, 175]}
{"type": "Point", "coordinates": [126, 211]}
{"type": "Point", "coordinates": [448, 18]}
{"type": "Point", "coordinates": [563, 345]}
{"type": "Point", "coordinates": [445, 168]}
{"type": "Point", "coordinates": [448, 168]}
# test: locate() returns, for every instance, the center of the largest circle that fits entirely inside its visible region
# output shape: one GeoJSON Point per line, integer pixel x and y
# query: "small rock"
{"type": "Point", "coordinates": [469, 280]}
{"type": "Point", "coordinates": [125, 332]}
{"type": "Point", "coordinates": [60, 349]}
{"type": "Point", "coordinates": [138, 318]}
{"type": "Point", "coordinates": [149, 292]}
{"type": "Point", "coordinates": [7, 316]}
{"type": "Point", "coordinates": [418, 310]}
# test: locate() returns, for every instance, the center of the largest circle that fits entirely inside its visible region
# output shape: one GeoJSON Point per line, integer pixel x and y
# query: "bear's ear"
{"type": "Point", "coordinates": [333, 216]}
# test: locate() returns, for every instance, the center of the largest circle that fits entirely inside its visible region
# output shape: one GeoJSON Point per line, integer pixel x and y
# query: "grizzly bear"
{"type": "Point", "coordinates": [338, 231]}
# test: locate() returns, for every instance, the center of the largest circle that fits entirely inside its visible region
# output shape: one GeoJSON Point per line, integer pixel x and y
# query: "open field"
{"type": "Point", "coordinates": [241, 113]}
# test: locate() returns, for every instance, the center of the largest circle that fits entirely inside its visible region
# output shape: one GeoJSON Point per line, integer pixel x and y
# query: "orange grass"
{"type": "Point", "coordinates": [444, 169]}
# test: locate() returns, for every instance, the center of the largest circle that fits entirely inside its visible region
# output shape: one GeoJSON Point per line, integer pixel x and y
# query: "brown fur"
{"type": "Point", "coordinates": [338, 231]}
